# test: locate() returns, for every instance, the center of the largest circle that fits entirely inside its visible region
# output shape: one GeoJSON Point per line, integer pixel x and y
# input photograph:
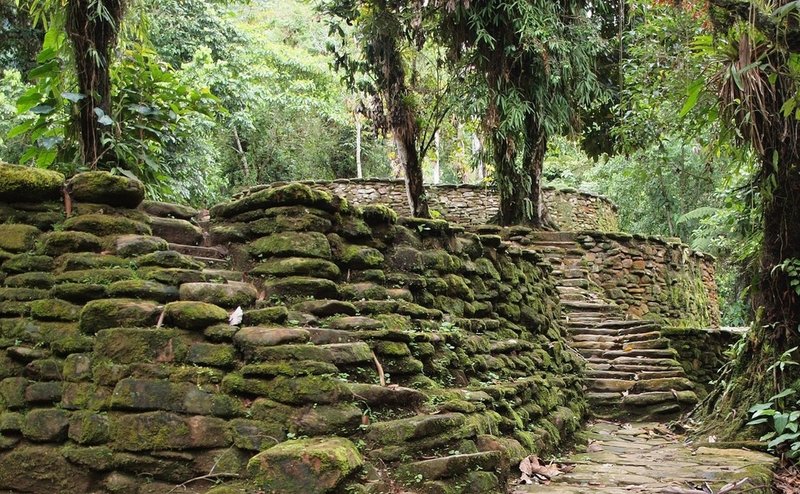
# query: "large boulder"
{"type": "Point", "coordinates": [27, 184]}
{"type": "Point", "coordinates": [105, 188]}
{"type": "Point", "coordinates": [310, 466]}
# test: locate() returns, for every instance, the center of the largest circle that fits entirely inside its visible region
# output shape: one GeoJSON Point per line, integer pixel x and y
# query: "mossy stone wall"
{"type": "Point", "coordinates": [374, 341]}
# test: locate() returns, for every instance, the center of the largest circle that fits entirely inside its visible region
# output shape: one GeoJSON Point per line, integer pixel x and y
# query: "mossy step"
{"type": "Point", "coordinates": [643, 353]}
{"type": "Point", "coordinates": [394, 432]}
{"type": "Point", "coordinates": [634, 367]}
{"type": "Point", "coordinates": [199, 251]}
{"type": "Point", "coordinates": [619, 324]}
{"type": "Point", "coordinates": [638, 386]}
{"type": "Point", "coordinates": [23, 183]}
{"type": "Point", "coordinates": [177, 231]}
{"type": "Point", "coordinates": [168, 210]}
{"type": "Point", "coordinates": [633, 400]}
{"type": "Point", "coordinates": [450, 466]}
{"type": "Point", "coordinates": [578, 335]}
{"type": "Point", "coordinates": [627, 375]}
{"type": "Point", "coordinates": [105, 188]}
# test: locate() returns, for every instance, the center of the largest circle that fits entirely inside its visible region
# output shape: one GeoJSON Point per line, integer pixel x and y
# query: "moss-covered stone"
{"type": "Point", "coordinates": [288, 368]}
{"type": "Point", "coordinates": [379, 214]}
{"type": "Point", "coordinates": [312, 466]}
{"type": "Point", "coordinates": [25, 183]}
{"type": "Point", "coordinates": [103, 225]}
{"type": "Point", "coordinates": [174, 276]}
{"type": "Point", "coordinates": [223, 356]}
{"type": "Point", "coordinates": [296, 266]}
{"type": "Point", "coordinates": [342, 419]}
{"type": "Point", "coordinates": [293, 194]}
{"type": "Point", "coordinates": [359, 257]}
{"type": "Point", "coordinates": [294, 287]}
{"type": "Point", "coordinates": [256, 435]}
{"type": "Point", "coordinates": [326, 308]}
{"type": "Point", "coordinates": [177, 231]}
{"type": "Point", "coordinates": [78, 367]}
{"type": "Point", "coordinates": [168, 210]}
{"type": "Point", "coordinates": [88, 428]}
{"type": "Point", "coordinates": [289, 244]}
{"type": "Point", "coordinates": [42, 281]}
{"type": "Point", "coordinates": [165, 431]}
{"type": "Point", "coordinates": [112, 313]}
{"type": "Point", "coordinates": [23, 263]}
{"type": "Point", "coordinates": [222, 234]}
{"type": "Point", "coordinates": [266, 316]}
{"type": "Point", "coordinates": [82, 261]}
{"type": "Point", "coordinates": [168, 259]}
{"type": "Point", "coordinates": [143, 289]}
{"type": "Point", "coordinates": [79, 293]}
{"type": "Point", "coordinates": [296, 218]}
{"type": "Point", "coordinates": [45, 470]}
{"type": "Point", "coordinates": [105, 188]}
{"type": "Point", "coordinates": [21, 294]}
{"type": "Point", "coordinates": [46, 425]}
{"type": "Point", "coordinates": [55, 310]}
{"type": "Point", "coordinates": [194, 316]}
{"type": "Point", "coordinates": [134, 345]}
{"type": "Point", "coordinates": [17, 237]}
{"type": "Point", "coordinates": [250, 338]}
{"type": "Point", "coordinates": [136, 245]}
{"type": "Point", "coordinates": [229, 295]}
{"type": "Point", "coordinates": [95, 276]}
{"type": "Point", "coordinates": [57, 243]}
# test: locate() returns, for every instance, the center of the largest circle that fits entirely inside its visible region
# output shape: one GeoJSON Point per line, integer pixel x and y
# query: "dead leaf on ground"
{"type": "Point", "coordinates": [533, 471]}
{"type": "Point", "coordinates": [594, 447]}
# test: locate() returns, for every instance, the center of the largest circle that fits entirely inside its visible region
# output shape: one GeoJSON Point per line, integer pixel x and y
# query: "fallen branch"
{"type": "Point", "coordinates": [378, 365]}
{"type": "Point", "coordinates": [209, 476]}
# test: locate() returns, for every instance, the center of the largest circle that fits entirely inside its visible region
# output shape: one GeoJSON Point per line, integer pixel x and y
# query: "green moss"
{"type": "Point", "coordinates": [268, 315]}
{"type": "Point", "coordinates": [18, 238]}
{"type": "Point", "coordinates": [103, 225]}
{"type": "Point", "coordinates": [111, 313]}
{"type": "Point", "coordinates": [135, 245]}
{"type": "Point", "coordinates": [143, 289]}
{"type": "Point", "coordinates": [288, 368]}
{"type": "Point", "coordinates": [296, 266]}
{"type": "Point", "coordinates": [95, 276]}
{"type": "Point", "coordinates": [23, 183]}
{"type": "Point", "coordinates": [79, 292]}
{"type": "Point", "coordinates": [105, 188]}
{"type": "Point", "coordinates": [82, 261]}
{"type": "Point", "coordinates": [55, 310]}
{"type": "Point", "coordinates": [305, 389]}
{"type": "Point", "coordinates": [288, 244]}
{"type": "Point", "coordinates": [174, 276]}
{"type": "Point", "coordinates": [379, 214]}
{"type": "Point", "coordinates": [298, 219]}
{"type": "Point", "coordinates": [30, 280]}
{"type": "Point", "coordinates": [293, 194]}
{"type": "Point", "coordinates": [359, 257]}
{"type": "Point", "coordinates": [194, 316]}
{"type": "Point", "coordinates": [229, 295]}
{"type": "Point", "coordinates": [213, 355]}
{"type": "Point", "coordinates": [57, 243]}
{"type": "Point", "coordinates": [294, 287]}
{"type": "Point", "coordinates": [136, 345]}
{"type": "Point", "coordinates": [168, 259]}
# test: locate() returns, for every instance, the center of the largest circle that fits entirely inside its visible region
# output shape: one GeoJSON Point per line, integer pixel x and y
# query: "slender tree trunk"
{"type": "Point", "coordinates": [437, 171]}
{"type": "Point", "coordinates": [359, 169]}
{"type": "Point", "coordinates": [242, 154]}
{"type": "Point", "coordinates": [514, 187]}
{"type": "Point", "coordinates": [93, 33]}
{"type": "Point", "coordinates": [533, 163]}
{"type": "Point", "coordinates": [477, 147]}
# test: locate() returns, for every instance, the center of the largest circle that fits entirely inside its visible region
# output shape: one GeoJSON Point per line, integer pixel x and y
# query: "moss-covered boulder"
{"type": "Point", "coordinates": [138, 345]}
{"type": "Point", "coordinates": [296, 266]}
{"type": "Point", "coordinates": [17, 237]}
{"type": "Point", "coordinates": [55, 310]}
{"type": "Point", "coordinates": [229, 295]}
{"type": "Point", "coordinates": [41, 469]}
{"type": "Point", "coordinates": [168, 210]}
{"type": "Point", "coordinates": [294, 287]}
{"type": "Point", "coordinates": [143, 289]}
{"type": "Point", "coordinates": [293, 194]}
{"type": "Point", "coordinates": [28, 184]}
{"type": "Point", "coordinates": [258, 336]}
{"type": "Point", "coordinates": [58, 243]}
{"type": "Point", "coordinates": [103, 225]}
{"type": "Point", "coordinates": [193, 315]}
{"type": "Point", "coordinates": [30, 280]}
{"type": "Point", "coordinates": [177, 231]}
{"type": "Point", "coordinates": [292, 218]}
{"type": "Point", "coordinates": [23, 263]}
{"type": "Point", "coordinates": [79, 293]}
{"type": "Point", "coordinates": [135, 245]}
{"type": "Point", "coordinates": [310, 466]}
{"type": "Point", "coordinates": [168, 259]}
{"type": "Point", "coordinates": [113, 313]}
{"type": "Point", "coordinates": [359, 257]}
{"type": "Point", "coordinates": [46, 425]}
{"type": "Point", "coordinates": [105, 188]}
{"type": "Point", "coordinates": [266, 316]}
{"type": "Point", "coordinates": [289, 244]}
{"type": "Point", "coordinates": [98, 276]}
{"type": "Point", "coordinates": [379, 214]}
{"type": "Point", "coordinates": [88, 260]}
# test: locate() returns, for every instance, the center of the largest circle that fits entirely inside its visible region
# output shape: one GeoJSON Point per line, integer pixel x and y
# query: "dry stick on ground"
{"type": "Point", "coordinates": [161, 318]}
{"type": "Point", "coordinates": [209, 476]}
{"type": "Point", "coordinates": [380, 369]}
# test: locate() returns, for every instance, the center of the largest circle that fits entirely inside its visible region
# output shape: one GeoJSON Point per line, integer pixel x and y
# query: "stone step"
{"type": "Point", "coordinates": [574, 282]}
{"type": "Point", "coordinates": [604, 365]}
{"type": "Point", "coordinates": [578, 335]}
{"type": "Point", "coordinates": [622, 323]}
{"type": "Point", "coordinates": [639, 386]}
{"type": "Point", "coordinates": [200, 252]}
{"type": "Point", "coordinates": [642, 399]}
{"type": "Point", "coordinates": [641, 353]}
{"type": "Point", "coordinates": [615, 374]}
{"type": "Point", "coordinates": [450, 466]}
{"type": "Point", "coordinates": [641, 360]}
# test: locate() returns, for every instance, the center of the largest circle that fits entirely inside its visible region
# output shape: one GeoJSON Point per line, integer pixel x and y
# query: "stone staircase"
{"type": "Point", "coordinates": [632, 373]}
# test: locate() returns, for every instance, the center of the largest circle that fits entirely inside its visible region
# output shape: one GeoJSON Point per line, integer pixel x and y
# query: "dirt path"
{"type": "Point", "coordinates": [646, 458]}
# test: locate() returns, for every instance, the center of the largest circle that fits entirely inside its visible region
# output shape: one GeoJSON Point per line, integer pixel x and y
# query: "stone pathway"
{"type": "Point", "coordinates": [646, 458]}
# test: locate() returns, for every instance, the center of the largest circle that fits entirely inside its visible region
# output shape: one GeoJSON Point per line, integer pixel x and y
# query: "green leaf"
{"type": "Point", "coordinates": [42, 109]}
{"type": "Point", "coordinates": [48, 69]}
{"type": "Point", "coordinates": [692, 94]}
{"type": "Point", "coordinates": [783, 394]}
{"type": "Point", "coordinates": [74, 97]}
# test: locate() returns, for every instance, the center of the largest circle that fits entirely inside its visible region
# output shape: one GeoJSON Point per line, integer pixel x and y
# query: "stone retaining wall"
{"type": "Point", "coordinates": [648, 277]}
{"type": "Point", "coordinates": [370, 351]}
{"type": "Point", "coordinates": [702, 352]}
{"type": "Point", "coordinates": [477, 204]}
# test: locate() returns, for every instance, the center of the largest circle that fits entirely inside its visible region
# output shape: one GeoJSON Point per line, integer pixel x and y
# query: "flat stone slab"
{"type": "Point", "coordinates": [646, 458]}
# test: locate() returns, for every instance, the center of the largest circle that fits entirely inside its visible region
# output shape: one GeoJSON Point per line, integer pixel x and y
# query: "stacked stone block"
{"type": "Point", "coordinates": [371, 352]}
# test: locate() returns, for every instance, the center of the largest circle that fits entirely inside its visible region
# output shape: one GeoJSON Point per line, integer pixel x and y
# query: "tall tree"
{"type": "Point", "coordinates": [756, 50]}
{"type": "Point", "coordinates": [382, 27]}
{"type": "Point", "coordinates": [536, 61]}
{"type": "Point", "coordinates": [92, 27]}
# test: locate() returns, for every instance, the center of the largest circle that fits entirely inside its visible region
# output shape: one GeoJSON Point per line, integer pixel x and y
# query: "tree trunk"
{"type": "Point", "coordinates": [533, 162]}
{"type": "Point", "coordinates": [437, 171]}
{"type": "Point", "coordinates": [405, 142]}
{"type": "Point", "coordinates": [93, 33]}
{"type": "Point", "coordinates": [242, 155]}
{"type": "Point", "coordinates": [359, 169]}
{"type": "Point", "coordinates": [514, 187]}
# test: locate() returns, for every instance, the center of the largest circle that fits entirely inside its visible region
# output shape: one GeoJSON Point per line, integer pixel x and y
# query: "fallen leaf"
{"type": "Point", "coordinates": [235, 318]}
{"type": "Point", "coordinates": [712, 439]}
